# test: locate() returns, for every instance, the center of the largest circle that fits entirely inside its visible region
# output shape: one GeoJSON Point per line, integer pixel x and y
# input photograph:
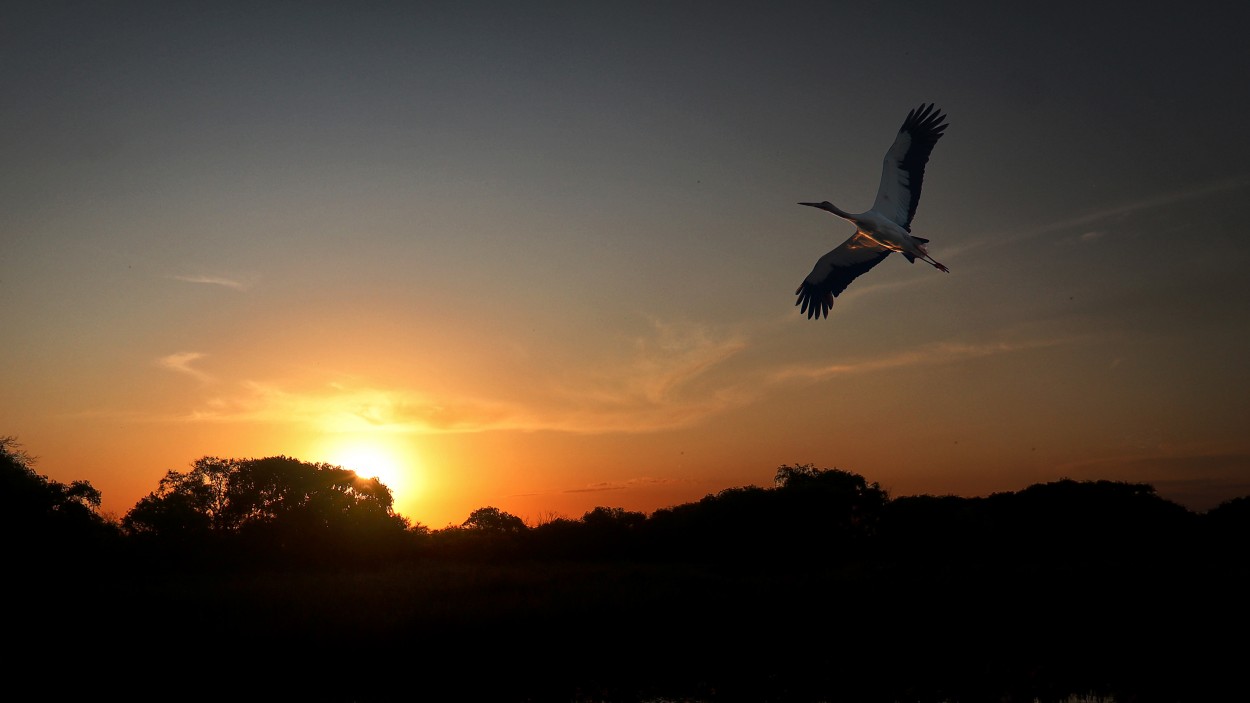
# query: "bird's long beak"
{"type": "Point", "coordinates": [812, 204]}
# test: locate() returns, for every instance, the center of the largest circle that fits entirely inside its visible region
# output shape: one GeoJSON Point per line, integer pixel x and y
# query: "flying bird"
{"type": "Point", "coordinates": [887, 226]}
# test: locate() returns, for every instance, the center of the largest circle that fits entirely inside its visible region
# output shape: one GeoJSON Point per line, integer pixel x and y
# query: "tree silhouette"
{"type": "Point", "coordinates": [194, 503]}
{"type": "Point", "coordinates": [1093, 523]}
{"type": "Point", "coordinates": [1232, 515]}
{"type": "Point", "coordinates": [810, 516]}
{"type": "Point", "coordinates": [274, 503]}
{"type": "Point", "coordinates": [493, 520]}
{"type": "Point", "coordinates": [618, 519]}
{"type": "Point", "coordinates": [610, 533]}
{"type": "Point", "coordinates": [1087, 521]}
{"type": "Point", "coordinates": [939, 530]}
{"type": "Point", "coordinates": [829, 506]}
{"type": "Point", "coordinates": [43, 518]}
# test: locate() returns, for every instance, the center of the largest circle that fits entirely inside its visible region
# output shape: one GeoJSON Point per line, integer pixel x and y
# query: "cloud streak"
{"type": "Point", "coordinates": [668, 376]}
{"type": "Point", "coordinates": [222, 281]}
{"type": "Point", "coordinates": [641, 482]}
{"type": "Point", "coordinates": [181, 363]}
{"type": "Point", "coordinates": [338, 407]}
{"type": "Point", "coordinates": [665, 380]}
{"type": "Point", "coordinates": [929, 355]}
{"type": "Point", "coordinates": [663, 396]}
{"type": "Point", "coordinates": [1085, 220]}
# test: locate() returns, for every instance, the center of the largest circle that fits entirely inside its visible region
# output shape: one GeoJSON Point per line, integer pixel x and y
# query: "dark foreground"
{"type": "Point", "coordinates": [505, 630]}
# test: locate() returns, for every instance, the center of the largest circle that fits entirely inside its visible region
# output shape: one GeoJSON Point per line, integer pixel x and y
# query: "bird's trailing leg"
{"type": "Point", "coordinates": [924, 256]}
{"type": "Point", "coordinates": [928, 260]}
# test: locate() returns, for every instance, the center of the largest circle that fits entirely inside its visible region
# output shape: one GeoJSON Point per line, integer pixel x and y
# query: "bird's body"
{"type": "Point", "coordinates": [887, 226]}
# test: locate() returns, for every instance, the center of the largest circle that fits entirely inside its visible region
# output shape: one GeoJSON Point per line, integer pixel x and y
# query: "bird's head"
{"type": "Point", "coordinates": [830, 207]}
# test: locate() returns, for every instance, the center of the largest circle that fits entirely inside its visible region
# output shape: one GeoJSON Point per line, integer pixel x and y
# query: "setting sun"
{"type": "Point", "coordinates": [373, 457]}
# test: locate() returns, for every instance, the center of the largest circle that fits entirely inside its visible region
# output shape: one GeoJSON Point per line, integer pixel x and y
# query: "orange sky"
{"type": "Point", "coordinates": [545, 261]}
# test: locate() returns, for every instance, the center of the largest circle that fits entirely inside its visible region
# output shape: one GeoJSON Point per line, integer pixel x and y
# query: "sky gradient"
{"type": "Point", "coordinates": [542, 256]}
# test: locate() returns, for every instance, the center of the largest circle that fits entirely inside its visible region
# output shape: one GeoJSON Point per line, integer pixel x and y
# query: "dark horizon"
{"type": "Point", "coordinates": [292, 583]}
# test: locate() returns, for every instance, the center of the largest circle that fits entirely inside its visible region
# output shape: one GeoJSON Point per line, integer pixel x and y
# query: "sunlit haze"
{"type": "Point", "coordinates": [542, 256]}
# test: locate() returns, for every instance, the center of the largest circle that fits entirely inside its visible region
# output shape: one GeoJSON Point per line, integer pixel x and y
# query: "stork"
{"type": "Point", "coordinates": [887, 226]}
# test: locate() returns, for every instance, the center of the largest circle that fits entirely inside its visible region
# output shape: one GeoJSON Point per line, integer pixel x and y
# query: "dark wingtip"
{"type": "Point", "coordinates": [812, 306]}
{"type": "Point", "coordinates": [927, 117]}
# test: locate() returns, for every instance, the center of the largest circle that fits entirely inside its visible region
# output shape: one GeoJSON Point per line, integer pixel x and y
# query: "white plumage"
{"type": "Point", "coordinates": [887, 226]}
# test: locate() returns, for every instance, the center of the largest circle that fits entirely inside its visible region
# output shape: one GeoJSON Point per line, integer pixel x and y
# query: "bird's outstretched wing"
{"type": "Point", "coordinates": [834, 271]}
{"type": "Point", "coordinates": [902, 171]}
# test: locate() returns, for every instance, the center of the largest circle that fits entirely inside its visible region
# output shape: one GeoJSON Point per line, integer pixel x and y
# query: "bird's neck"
{"type": "Point", "coordinates": [840, 212]}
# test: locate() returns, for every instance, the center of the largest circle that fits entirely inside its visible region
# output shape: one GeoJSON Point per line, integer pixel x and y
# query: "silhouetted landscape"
{"type": "Point", "coordinates": [274, 578]}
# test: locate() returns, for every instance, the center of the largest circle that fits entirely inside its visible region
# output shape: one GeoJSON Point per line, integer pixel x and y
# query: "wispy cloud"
{"type": "Point", "coordinates": [928, 355]}
{"type": "Point", "coordinates": [668, 377]}
{"type": "Point", "coordinates": [181, 363]}
{"type": "Point", "coordinates": [334, 408]}
{"type": "Point", "coordinates": [597, 488]}
{"type": "Point", "coordinates": [1088, 219]}
{"type": "Point", "coordinates": [662, 379]}
{"type": "Point", "coordinates": [231, 283]}
{"type": "Point", "coordinates": [640, 482]}
{"type": "Point", "coordinates": [340, 407]}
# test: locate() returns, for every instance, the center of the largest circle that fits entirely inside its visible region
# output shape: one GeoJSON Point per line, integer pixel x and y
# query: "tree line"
{"type": "Point", "coordinates": [280, 508]}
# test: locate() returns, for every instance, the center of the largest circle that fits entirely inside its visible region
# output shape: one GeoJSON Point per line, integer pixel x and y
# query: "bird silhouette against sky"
{"type": "Point", "coordinates": [887, 226]}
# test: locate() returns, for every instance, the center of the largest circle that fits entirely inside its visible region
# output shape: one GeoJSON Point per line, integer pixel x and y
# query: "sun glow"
{"type": "Point", "coordinates": [375, 457]}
